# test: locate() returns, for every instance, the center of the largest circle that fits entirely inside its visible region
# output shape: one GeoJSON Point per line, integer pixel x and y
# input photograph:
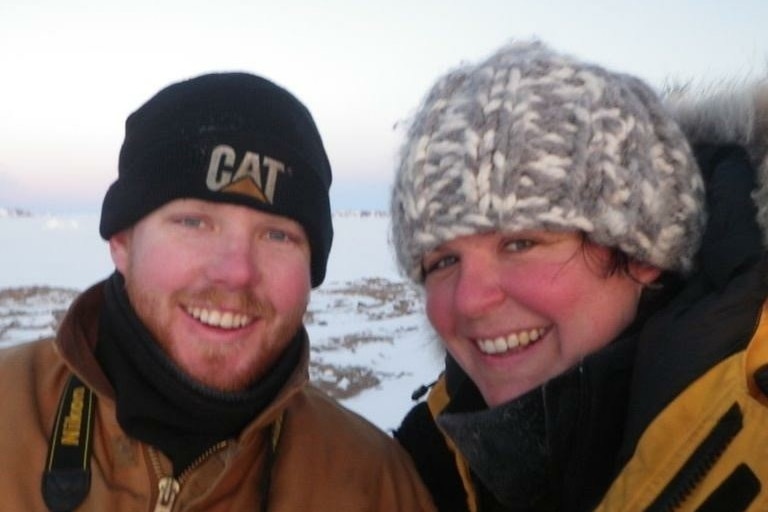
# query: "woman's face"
{"type": "Point", "coordinates": [515, 310]}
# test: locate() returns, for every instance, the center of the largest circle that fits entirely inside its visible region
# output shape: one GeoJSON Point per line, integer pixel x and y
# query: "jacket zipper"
{"type": "Point", "coordinates": [169, 487]}
{"type": "Point", "coordinates": [701, 461]}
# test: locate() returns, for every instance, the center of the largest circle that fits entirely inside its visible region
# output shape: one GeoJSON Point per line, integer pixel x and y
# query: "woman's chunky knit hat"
{"type": "Point", "coordinates": [532, 139]}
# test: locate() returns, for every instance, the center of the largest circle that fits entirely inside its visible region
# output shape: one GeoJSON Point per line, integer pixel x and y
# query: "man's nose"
{"type": "Point", "coordinates": [233, 262]}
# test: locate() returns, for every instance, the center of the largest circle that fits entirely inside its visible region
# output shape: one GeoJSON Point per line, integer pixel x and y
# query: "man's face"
{"type": "Point", "coordinates": [222, 288]}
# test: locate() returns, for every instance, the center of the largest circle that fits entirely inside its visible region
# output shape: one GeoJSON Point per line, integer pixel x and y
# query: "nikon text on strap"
{"type": "Point", "coordinates": [67, 476]}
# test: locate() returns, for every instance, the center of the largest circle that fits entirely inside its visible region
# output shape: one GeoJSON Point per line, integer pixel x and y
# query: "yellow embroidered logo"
{"type": "Point", "coordinates": [70, 434]}
{"type": "Point", "coordinates": [256, 176]}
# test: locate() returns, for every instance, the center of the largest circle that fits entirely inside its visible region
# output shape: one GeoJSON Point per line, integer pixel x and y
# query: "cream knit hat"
{"type": "Point", "coordinates": [532, 139]}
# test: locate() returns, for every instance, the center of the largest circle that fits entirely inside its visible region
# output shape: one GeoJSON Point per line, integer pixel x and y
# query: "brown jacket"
{"type": "Point", "coordinates": [327, 458]}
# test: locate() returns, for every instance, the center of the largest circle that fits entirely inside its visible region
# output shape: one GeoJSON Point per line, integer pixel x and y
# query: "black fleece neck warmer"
{"type": "Point", "coordinates": [506, 448]}
{"type": "Point", "coordinates": [554, 447]}
{"type": "Point", "coordinates": [161, 406]}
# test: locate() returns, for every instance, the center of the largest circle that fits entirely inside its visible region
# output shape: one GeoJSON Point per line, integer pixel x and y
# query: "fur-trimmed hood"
{"type": "Point", "coordinates": [729, 115]}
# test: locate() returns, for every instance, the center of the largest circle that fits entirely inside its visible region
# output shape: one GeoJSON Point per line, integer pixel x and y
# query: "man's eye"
{"type": "Point", "coordinates": [190, 222]}
{"type": "Point", "coordinates": [277, 235]}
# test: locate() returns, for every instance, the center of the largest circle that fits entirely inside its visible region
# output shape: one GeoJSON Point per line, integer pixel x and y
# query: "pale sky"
{"type": "Point", "coordinates": [72, 71]}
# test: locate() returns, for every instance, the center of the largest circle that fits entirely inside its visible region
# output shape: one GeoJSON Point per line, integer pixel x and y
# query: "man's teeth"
{"type": "Point", "coordinates": [503, 344]}
{"type": "Point", "coordinates": [221, 319]}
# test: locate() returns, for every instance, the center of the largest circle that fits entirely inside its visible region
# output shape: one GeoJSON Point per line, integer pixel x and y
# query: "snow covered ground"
{"type": "Point", "coordinates": [371, 345]}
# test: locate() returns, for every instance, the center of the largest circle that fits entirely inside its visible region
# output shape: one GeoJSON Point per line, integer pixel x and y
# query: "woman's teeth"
{"type": "Point", "coordinates": [502, 344]}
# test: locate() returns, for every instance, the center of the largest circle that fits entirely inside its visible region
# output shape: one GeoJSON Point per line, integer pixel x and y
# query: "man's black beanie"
{"type": "Point", "coordinates": [230, 137]}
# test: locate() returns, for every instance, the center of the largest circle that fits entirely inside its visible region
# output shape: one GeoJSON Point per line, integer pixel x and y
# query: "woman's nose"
{"type": "Point", "coordinates": [478, 289]}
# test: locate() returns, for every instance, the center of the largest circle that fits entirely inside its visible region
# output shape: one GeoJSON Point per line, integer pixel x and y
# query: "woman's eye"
{"type": "Point", "coordinates": [518, 245]}
{"type": "Point", "coordinates": [439, 264]}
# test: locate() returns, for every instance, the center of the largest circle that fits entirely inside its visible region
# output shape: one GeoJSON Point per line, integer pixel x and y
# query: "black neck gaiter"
{"type": "Point", "coordinates": [160, 405]}
{"type": "Point", "coordinates": [506, 447]}
{"type": "Point", "coordinates": [553, 448]}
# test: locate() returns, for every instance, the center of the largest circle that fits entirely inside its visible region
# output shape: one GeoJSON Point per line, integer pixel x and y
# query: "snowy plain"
{"type": "Point", "coordinates": [371, 344]}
